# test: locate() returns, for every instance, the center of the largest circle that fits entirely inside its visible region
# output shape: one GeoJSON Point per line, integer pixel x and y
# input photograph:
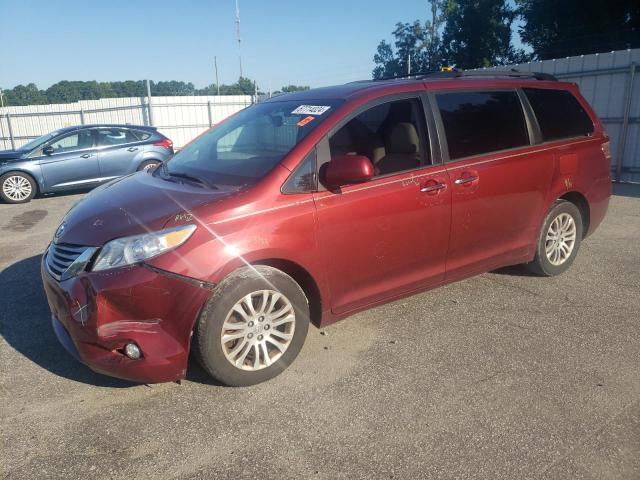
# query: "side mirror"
{"type": "Point", "coordinates": [48, 150]}
{"type": "Point", "coordinates": [347, 169]}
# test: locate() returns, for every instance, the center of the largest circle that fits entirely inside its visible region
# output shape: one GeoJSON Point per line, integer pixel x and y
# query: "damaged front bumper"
{"type": "Point", "coordinates": [95, 314]}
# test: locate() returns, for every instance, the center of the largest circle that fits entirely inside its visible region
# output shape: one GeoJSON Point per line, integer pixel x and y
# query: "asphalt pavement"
{"type": "Point", "coordinates": [502, 376]}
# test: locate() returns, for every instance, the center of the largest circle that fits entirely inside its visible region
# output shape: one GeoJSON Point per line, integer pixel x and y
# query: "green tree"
{"type": "Point", "coordinates": [172, 88]}
{"type": "Point", "coordinates": [25, 95]}
{"type": "Point", "coordinates": [561, 28]}
{"type": "Point", "coordinates": [477, 33]}
{"type": "Point", "coordinates": [415, 42]}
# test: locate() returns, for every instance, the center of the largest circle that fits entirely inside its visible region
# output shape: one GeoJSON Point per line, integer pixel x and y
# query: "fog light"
{"type": "Point", "coordinates": [132, 351]}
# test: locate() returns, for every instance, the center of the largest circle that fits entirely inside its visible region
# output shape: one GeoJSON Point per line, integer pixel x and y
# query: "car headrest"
{"type": "Point", "coordinates": [403, 139]}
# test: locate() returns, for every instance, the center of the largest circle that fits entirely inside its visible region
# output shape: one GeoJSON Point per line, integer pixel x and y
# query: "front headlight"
{"type": "Point", "coordinates": [129, 250]}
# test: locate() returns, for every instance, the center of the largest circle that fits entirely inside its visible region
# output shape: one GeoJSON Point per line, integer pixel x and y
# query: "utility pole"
{"type": "Point", "coordinates": [238, 38]}
{"type": "Point", "coordinates": [215, 64]}
{"type": "Point", "coordinates": [1, 98]}
{"type": "Point", "coordinates": [409, 64]}
{"type": "Point", "coordinates": [149, 110]}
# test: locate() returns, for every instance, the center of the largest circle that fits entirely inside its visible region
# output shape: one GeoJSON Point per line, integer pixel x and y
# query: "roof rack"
{"type": "Point", "coordinates": [513, 73]}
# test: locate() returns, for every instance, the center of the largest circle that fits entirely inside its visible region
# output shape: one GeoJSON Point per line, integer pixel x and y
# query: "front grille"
{"type": "Point", "coordinates": [61, 256]}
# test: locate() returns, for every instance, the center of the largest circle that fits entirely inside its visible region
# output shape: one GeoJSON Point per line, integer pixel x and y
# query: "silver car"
{"type": "Point", "coordinates": [78, 158]}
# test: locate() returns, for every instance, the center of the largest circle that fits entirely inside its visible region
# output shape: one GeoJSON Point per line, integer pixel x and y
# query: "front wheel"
{"type": "Point", "coordinates": [253, 326]}
{"type": "Point", "coordinates": [17, 187]}
{"type": "Point", "coordinates": [559, 240]}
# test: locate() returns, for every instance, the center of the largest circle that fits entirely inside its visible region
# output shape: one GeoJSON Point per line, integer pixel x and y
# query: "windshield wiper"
{"type": "Point", "coordinates": [191, 178]}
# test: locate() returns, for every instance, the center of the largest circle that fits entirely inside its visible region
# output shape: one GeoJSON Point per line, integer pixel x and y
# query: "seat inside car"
{"type": "Point", "coordinates": [402, 150]}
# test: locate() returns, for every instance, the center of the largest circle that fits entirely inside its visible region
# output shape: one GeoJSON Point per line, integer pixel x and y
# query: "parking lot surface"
{"type": "Point", "coordinates": [504, 375]}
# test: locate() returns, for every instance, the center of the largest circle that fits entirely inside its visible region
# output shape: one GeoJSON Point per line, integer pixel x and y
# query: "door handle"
{"type": "Point", "coordinates": [86, 155]}
{"type": "Point", "coordinates": [466, 180]}
{"type": "Point", "coordinates": [433, 188]}
{"type": "Point", "coordinates": [132, 149]}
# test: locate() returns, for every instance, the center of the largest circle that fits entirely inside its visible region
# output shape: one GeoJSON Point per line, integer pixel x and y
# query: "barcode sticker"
{"type": "Point", "coordinates": [310, 110]}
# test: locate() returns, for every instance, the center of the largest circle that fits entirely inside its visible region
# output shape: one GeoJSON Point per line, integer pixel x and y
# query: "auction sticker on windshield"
{"type": "Point", "coordinates": [310, 110]}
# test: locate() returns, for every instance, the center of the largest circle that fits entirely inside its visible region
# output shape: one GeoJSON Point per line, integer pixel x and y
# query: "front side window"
{"type": "Point", "coordinates": [389, 134]}
{"type": "Point", "coordinates": [244, 148]}
{"type": "Point", "coordinates": [559, 114]}
{"type": "Point", "coordinates": [482, 122]}
{"type": "Point", "coordinates": [36, 142]}
{"type": "Point", "coordinates": [108, 137]}
{"type": "Point", "coordinates": [75, 141]}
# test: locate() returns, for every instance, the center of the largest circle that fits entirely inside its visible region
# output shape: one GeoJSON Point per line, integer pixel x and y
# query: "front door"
{"type": "Point", "coordinates": [388, 236]}
{"type": "Point", "coordinates": [72, 164]}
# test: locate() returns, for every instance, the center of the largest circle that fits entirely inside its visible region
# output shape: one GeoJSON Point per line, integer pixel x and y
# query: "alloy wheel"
{"type": "Point", "coordinates": [17, 188]}
{"type": "Point", "coordinates": [258, 330]}
{"type": "Point", "coordinates": [560, 239]}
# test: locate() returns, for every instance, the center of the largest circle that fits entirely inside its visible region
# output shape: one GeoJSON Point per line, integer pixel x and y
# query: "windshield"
{"type": "Point", "coordinates": [36, 142]}
{"type": "Point", "coordinates": [244, 148]}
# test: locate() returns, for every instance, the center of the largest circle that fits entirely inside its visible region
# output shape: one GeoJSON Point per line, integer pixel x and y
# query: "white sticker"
{"type": "Point", "coordinates": [310, 110]}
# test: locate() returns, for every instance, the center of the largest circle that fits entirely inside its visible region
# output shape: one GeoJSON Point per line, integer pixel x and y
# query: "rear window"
{"type": "Point", "coordinates": [482, 122]}
{"type": "Point", "coordinates": [559, 114]}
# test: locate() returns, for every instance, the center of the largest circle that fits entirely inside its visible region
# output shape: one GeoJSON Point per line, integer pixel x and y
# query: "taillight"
{"type": "Point", "coordinates": [606, 149]}
{"type": "Point", "coordinates": [166, 143]}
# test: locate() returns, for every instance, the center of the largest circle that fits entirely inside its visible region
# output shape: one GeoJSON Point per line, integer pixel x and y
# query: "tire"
{"type": "Point", "coordinates": [148, 165]}
{"type": "Point", "coordinates": [227, 361]}
{"type": "Point", "coordinates": [566, 220]}
{"type": "Point", "coordinates": [17, 187]}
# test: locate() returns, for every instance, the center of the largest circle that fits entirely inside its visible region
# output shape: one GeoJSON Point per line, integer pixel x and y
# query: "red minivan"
{"type": "Point", "coordinates": [314, 205]}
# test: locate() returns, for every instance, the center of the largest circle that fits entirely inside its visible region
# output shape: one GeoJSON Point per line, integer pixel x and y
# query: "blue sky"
{"type": "Point", "coordinates": [283, 41]}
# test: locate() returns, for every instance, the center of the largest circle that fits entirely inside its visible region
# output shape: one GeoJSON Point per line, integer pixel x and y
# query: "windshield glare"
{"type": "Point", "coordinates": [244, 148]}
{"type": "Point", "coordinates": [36, 142]}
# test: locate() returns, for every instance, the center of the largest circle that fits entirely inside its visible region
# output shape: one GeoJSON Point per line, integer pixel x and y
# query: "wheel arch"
{"type": "Point", "coordinates": [580, 201]}
{"type": "Point", "coordinates": [31, 175]}
{"type": "Point", "coordinates": [303, 278]}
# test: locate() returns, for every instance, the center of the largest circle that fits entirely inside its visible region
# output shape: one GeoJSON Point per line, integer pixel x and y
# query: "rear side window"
{"type": "Point", "coordinates": [114, 136]}
{"type": "Point", "coordinates": [141, 135]}
{"type": "Point", "coordinates": [482, 122]}
{"type": "Point", "coordinates": [559, 114]}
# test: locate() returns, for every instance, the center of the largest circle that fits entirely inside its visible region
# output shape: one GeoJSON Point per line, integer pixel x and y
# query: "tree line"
{"type": "Point", "coordinates": [478, 33]}
{"type": "Point", "coordinates": [73, 91]}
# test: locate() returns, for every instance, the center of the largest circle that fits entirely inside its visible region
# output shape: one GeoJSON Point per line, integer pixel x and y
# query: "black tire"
{"type": "Point", "coordinates": [10, 177]}
{"type": "Point", "coordinates": [541, 265]}
{"type": "Point", "coordinates": [208, 331]}
{"type": "Point", "coordinates": [148, 165]}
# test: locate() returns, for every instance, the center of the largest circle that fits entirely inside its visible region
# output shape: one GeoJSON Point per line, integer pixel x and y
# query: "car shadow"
{"type": "Point", "coordinates": [25, 324]}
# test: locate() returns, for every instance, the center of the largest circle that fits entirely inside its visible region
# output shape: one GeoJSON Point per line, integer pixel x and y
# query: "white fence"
{"type": "Point", "coordinates": [179, 118]}
{"type": "Point", "coordinates": [611, 84]}
{"type": "Point", "coordinates": [609, 81]}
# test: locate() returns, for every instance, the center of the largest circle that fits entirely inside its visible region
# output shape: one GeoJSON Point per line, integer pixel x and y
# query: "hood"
{"type": "Point", "coordinates": [131, 205]}
{"type": "Point", "coordinates": [10, 154]}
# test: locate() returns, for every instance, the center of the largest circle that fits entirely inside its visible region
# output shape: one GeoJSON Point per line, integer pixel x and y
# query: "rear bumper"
{"type": "Point", "coordinates": [96, 314]}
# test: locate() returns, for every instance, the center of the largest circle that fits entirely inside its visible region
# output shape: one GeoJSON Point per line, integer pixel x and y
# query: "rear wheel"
{"type": "Point", "coordinates": [17, 187]}
{"type": "Point", "coordinates": [253, 327]}
{"type": "Point", "coordinates": [559, 240]}
{"type": "Point", "coordinates": [148, 165]}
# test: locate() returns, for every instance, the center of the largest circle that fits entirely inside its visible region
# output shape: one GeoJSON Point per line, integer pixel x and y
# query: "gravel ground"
{"type": "Point", "coordinates": [503, 375]}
